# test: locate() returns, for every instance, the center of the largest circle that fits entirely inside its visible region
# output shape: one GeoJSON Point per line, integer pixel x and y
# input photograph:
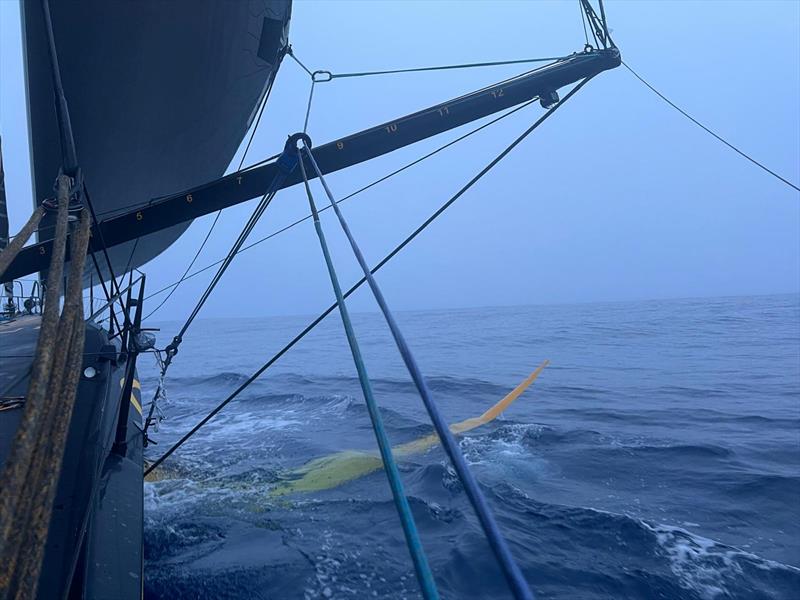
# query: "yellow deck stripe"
{"type": "Point", "coordinates": [134, 401]}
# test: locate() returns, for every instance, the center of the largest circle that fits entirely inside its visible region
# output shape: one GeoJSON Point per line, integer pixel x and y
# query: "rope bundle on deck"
{"type": "Point", "coordinates": [30, 475]}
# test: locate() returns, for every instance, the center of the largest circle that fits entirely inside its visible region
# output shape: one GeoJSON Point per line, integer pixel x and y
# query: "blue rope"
{"type": "Point", "coordinates": [516, 580]}
{"type": "Point", "coordinates": [423, 570]}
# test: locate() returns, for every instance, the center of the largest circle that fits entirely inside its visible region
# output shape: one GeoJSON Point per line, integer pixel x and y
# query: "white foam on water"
{"type": "Point", "coordinates": [246, 423]}
{"type": "Point", "coordinates": [705, 566]}
{"type": "Point", "coordinates": [505, 442]}
{"type": "Point", "coordinates": [505, 447]}
{"type": "Point", "coordinates": [343, 573]}
{"type": "Point", "coordinates": [238, 423]}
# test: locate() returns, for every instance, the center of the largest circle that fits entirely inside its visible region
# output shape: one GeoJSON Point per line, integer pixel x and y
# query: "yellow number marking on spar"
{"type": "Point", "coordinates": [136, 386]}
{"type": "Point", "coordinates": [333, 470]}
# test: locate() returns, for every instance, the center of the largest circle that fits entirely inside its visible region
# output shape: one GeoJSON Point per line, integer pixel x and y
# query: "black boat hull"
{"type": "Point", "coordinates": [95, 534]}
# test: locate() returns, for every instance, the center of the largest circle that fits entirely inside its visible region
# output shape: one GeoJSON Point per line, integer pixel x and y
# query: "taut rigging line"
{"type": "Point", "coordinates": [358, 284]}
{"type": "Point", "coordinates": [709, 131]}
{"type": "Point", "coordinates": [497, 542]}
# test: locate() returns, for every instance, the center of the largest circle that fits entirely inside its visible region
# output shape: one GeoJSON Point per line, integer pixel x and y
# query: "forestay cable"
{"type": "Point", "coordinates": [511, 570]}
{"type": "Point", "coordinates": [709, 131]}
{"type": "Point", "coordinates": [358, 284]}
{"type": "Point", "coordinates": [286, 164]}
{"type": "Point", "coordinates": [413, 542]}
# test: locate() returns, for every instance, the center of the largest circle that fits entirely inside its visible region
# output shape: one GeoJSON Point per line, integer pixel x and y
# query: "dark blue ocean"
{"type": "Point", "coordinates": [658, 456]}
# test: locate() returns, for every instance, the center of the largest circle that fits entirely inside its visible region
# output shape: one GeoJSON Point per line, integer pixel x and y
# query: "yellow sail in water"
{"type": "Point", "coordinates": [335, 469]}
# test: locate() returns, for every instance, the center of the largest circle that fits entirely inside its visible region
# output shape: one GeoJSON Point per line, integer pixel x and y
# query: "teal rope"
{"type": "Point", "coordinates": [423, 570]}
{"type": "Point", "coordinates": [515, 578]}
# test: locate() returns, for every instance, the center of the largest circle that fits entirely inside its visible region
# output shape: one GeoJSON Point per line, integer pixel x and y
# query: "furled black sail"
{"type": "Point", "coordinates": [160, 95]}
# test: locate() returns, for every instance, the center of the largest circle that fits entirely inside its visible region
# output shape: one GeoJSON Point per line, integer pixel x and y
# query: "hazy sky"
{"type": "Point", "coordinates": [616, 197]}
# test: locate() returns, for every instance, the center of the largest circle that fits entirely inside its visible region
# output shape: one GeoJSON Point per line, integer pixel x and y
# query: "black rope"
{"type": "Point", "coordinates": [248, 227]}
{"type": "Point", "coordinates": [172, 349]}
{"type": "Point", "coordinates": [290, 52]}
{"type": "Point", "coordinates": [308, 108]}
{"type": "Point", "coordinates": [103, 248]}
{"type": "Point", "coordinates": [121, 209]}
{"type": "Point", "coordinates": [69, 159]}
{"type": "Point", "coordinates": [105, 289]}
{"type": "Point", "coordinates": [709, 131]}
{"type": "Point", "coordinates": [590, 18]}
{"type": "Point", "coordinates": [583, 20]}
{"type": "Point", "coordinates": [286, 164]}
{"type": "Point", "coordinates": [130, 257]}
{"type": "Point", "coordinates": [496, 63]}
{"type": "Point", "coordinates": [358, 191]}
{"type": "Point", "coordinates": [312, 76]}
{"type": "Point", "coordinates": [374, 269]}
{"type": "Point", "coordinates": [122, 277]}
{"type": "Point", "coordinates": [219, 212]}
{"type": "Point", "coordinates": [185, 276]}
{"type": "Point", "coordinates": [605, 23]}
{"type": "Point", "coordinates": [258, 120]}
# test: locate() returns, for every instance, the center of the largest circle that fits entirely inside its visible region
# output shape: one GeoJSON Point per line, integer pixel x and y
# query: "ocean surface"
{"type": "Point", "coordinates": [658, 456]}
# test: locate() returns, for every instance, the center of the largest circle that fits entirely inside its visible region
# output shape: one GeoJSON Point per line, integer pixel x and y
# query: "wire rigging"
{"type": "Point", "coordinates": [219, 212]}
{"type": "Point", "coordinates": [359, 191]}
{"type": "Point", "coordinates": [290, 52]}
{"type": "Point", "coordinates": [172, 349]}
{"type": "Point", "coordinates": [110, 213]}
{"type": "Point", "coordinates": [308, 108]}
{"type": "Point", "coordinates": [583, 20]}
{"type": "Point", "coordinates": [313, 76]}
{"type": "Point", "coordinates": [496, 63]}
{"type": "Point", "coordinates": [491, 530]}
{"type": "Point", "coordinates": [709, 131]}
{"type": "Point", "coordinates": [69, 159]}
{"type": "Point", "coordinates": [286, 164]}
{"type": "Point", "coordinates": [248, 226]}
{"type": "Point", "coordinates": [258, 119]}
{"type": "Point", "coordinates": [185, 275]}
{"type": "Point", "coordinates": [268, 159]}
{"type": "Point", "coordinates": [424, 225]}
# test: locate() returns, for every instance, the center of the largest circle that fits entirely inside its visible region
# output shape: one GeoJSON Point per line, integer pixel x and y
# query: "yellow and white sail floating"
{"type": "Point", "coordinates": [335, 469]}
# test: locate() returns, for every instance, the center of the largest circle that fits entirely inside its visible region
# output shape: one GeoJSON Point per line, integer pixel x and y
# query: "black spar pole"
{"type": "Point", "coordinates": [158, 214]}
